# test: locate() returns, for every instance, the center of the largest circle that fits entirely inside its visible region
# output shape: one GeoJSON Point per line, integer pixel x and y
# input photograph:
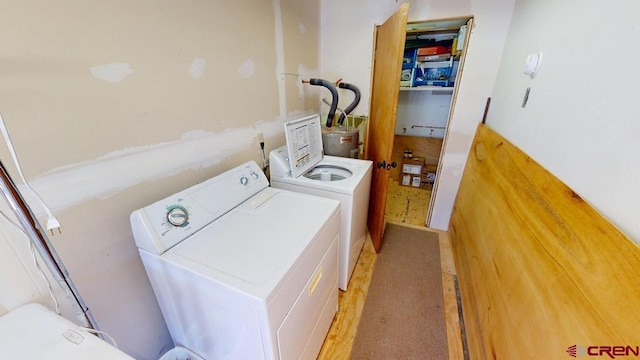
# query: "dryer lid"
{"type": "Point", "coordinates": [304, 143]}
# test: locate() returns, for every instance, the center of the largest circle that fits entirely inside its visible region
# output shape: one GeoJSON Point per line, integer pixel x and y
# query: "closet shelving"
{"type": "Point", "coordinates": [431, 56]}
{"type": "Point", "coordinates": [444, 89]}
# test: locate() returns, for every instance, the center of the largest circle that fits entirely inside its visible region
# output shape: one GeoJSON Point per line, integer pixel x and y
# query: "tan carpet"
{"type": "Point", "coordinates": [403, 315]}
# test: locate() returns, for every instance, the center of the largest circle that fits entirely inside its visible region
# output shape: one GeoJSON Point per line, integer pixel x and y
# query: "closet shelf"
{"type": "Point", "coordinates": [427, 88]}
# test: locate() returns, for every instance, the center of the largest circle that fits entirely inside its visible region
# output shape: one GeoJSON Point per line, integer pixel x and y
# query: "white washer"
{"type": "Point", "coordinates": [241, 270]}
{"type": "Point", "coordinates": [344, 179]}
{"type": "Point", "coordinates": [34, 332]}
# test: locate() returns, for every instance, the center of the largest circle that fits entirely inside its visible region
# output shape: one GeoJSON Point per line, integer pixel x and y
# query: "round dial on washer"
{"type": "Point", "coordinates": [177, 215]}
{"type": "Point", "coordinates": [244, 180]}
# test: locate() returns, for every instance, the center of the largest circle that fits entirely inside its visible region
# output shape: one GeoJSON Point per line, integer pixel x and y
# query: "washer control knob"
{"type": "Point", "coordinates": [254, 175]}
{"type": "Point", "coordinates": [244, 180]}
{"type": "Point", "coordinates": [177, 216]}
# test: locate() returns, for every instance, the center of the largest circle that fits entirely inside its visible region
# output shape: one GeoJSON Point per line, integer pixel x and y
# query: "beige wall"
{"type": "Point", "coordinates": [114, 105]}
{"type": "Point", "coordinates": [581, 120]}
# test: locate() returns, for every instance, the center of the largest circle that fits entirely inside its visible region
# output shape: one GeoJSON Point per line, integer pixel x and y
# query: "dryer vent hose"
{"type": "Point", "coordinates": [334, 95]}
{"type": "Point", "coordinates": [353, 104]}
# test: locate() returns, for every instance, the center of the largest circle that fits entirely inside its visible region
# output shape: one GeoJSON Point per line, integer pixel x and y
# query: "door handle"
{"type": "Point", "coordinates": [383, 165]}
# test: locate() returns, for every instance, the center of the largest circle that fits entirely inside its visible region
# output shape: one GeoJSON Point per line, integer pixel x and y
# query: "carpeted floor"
{"type": "Point", "coordinates": [403, 316]}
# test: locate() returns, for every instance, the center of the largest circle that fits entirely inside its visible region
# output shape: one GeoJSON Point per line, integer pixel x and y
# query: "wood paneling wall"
{"type": "Point", "coordinates": [539, 269]}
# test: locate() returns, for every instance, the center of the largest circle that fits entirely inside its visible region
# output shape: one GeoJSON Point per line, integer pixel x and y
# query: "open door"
{"type": "Point", "coordinates": [387, 67]}
{"type": "Point", "coordinates": [449, 120]}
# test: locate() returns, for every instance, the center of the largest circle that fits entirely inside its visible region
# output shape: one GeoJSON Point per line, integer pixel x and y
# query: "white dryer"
{"type": "Point", "coordinates": [241, 270]}
{"type": "Point", "coordinates": [300, 166]}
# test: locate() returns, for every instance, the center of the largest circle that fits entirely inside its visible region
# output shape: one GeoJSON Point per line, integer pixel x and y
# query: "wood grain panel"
{"type": "Point", "coordinates": [454, 336]}
{"type": "Point", "coordinates": [446, 252]}
{"type": "Point", "coordinates": [387, 65]}
{"type": "Point", "coordinates": [539, 269]}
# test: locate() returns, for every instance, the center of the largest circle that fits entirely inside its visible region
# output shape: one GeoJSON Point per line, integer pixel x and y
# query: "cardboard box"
{"type": "Point", "coordinates": [432, 50]}
{"type": "Point", "coordinates": [411, 172]}
{"type": "Point", "coordinates": [413, 169]}
{"type": "Point", "coordinates": [415, 181]}
{"type": "Point", "coordinates": [413, 165]}
{"type": "Point", "coordinates": [405, 179]}
{"type": "Point", "coordinates": [432, 58]}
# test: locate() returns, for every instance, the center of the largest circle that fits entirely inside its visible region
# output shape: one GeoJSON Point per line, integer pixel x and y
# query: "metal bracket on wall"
{"type": "Point", "coordinates": [486, 111]}
{"type": "Point", "coordinates": [526, 97]}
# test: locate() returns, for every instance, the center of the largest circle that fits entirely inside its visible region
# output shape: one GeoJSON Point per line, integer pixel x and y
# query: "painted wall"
{"type": "Point", "coordinates": [348, 34]}
{"type": "Point", "coordinates": [422, 108]}
{"type": "Point", "coordinates": [114, 105]}
{"type": "Point", "coordinates": [581, 118]}
{"type": "Point", "coordinates": [20, 281]}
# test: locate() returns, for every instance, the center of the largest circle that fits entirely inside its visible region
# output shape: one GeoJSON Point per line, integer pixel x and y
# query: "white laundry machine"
{"type": "Point", "coordinates": [34, 332]}
{"type": "Point", "coordinates": [345, 179]}
{"type": "Point", "coordinates": [242, 270]}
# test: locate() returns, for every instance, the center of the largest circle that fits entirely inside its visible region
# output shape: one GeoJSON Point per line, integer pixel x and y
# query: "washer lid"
{"type": "Point", "coordinates": [304, 143]}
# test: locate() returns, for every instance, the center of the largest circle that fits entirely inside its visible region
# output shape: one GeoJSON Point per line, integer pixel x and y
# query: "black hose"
{"type": "Point", "coordinates": [353, 104]}
{"type": "Point", "coordinates": [334, 95]}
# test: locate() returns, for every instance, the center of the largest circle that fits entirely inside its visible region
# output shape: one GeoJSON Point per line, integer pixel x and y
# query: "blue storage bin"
{"type": "Point", "coordinates": [409, 59]}
{"type": "Point", "coordinates": [438, 76]}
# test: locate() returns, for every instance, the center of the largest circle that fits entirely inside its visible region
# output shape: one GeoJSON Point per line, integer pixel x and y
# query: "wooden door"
{"type": "Point", "coordinates": [387, 66]}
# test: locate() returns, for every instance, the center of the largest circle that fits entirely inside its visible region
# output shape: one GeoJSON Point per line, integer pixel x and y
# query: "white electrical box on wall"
{"type": "Point", "coordinates": [532, 64]}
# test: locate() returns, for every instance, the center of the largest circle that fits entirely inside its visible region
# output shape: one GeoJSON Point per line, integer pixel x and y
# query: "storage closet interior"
{"type": "Point", "coordinates": [431, 64]}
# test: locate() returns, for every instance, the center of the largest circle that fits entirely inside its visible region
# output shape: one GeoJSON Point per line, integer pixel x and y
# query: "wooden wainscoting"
{"type": "Point", "coordinates": [540, 270]}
